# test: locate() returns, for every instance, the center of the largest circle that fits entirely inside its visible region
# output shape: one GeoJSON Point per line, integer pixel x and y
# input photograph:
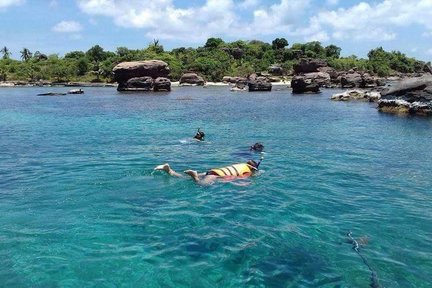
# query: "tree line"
{"type": "Point", "coordinates": [214, 60]}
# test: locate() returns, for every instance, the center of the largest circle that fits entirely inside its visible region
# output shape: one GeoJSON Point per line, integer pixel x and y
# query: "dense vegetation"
{"type": "Point", "coordinates": [213, 61]}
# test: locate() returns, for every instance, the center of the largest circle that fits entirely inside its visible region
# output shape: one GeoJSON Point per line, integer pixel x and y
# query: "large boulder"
{"type": "Point", "coordinates": [411, 87]}
{"type": "Point", "coordinates": [136, 84]}
{"type": "Point", "coordinates": [151, 68]}
{"type": "Point", "coordinates": [191, 79]}
{"type": "Point", "coordinates": [351, 80]}
{"type": "Point", "coordinates": [354, 79]}
{"type": "Point", "coordinates": [322, 79]}
{"type": "Point", "coordinates": [234, 80]}
{"type": "Point", "coordinates": [276, 70]}
{"type": "Point", "coordinates": [397, 106]}
{"type": "Point", "coordinates": [161, 84]}
{"type": "Point", "coordinates": [259, 83]}
{"type": "Point", "coordinates": [300, 85]}
{"type": "Point", "coordinates": [412, 96]}
{"type": "Point", "coordinates": [308, 65]}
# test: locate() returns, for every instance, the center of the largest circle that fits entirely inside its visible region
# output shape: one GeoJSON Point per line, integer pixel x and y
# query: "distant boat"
{"type": "Point", "coordinates": [76, 91]}
{"type": "Point", "coordinates": [73, 91]}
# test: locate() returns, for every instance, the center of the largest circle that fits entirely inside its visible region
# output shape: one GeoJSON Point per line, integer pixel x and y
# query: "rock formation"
{"type": "Point", "coordinates": [308, 65]}
{"type": "Point", "coordinates": [359, 95]}
{"type": "Point", "coordinates": [191, 79]}
{"type": "Point", "coordinates": [300, 85]}
{"type": "Point", "coordinates": [258, 83]}
{"type": "Point", "coordinates": [139, 75]}
{"type": "Point", "coordinates": [310, 75]}
{"type": "Point", "coordinates": [161, 84]}
{"type": "Point", "coordinates": [410, 96]}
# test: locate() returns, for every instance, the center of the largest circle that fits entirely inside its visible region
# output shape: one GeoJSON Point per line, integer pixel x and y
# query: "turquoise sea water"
{"type": "Point", "coordinates": [80, 205]}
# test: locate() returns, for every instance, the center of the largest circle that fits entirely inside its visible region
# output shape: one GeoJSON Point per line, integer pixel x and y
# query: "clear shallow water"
{"type": "Point", "coordinates": [80, 206]}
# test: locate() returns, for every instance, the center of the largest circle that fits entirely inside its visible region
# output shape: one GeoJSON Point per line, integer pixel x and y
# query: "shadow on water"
{"type": "Point", "coordinates": [295, 266]}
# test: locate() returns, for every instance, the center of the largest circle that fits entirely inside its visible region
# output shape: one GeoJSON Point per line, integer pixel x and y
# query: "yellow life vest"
{"type": "Point", "coordinates": [234, 170]}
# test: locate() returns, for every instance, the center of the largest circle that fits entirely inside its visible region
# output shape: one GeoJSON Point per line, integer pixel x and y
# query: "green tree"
{"type": "Point", "coordinates": [75, 55]}
{"type": "Point", "coordinates": [213, 43]}
{"type": "Point", "coordinates": [96, 54]}
{"type": "Point", "coordinates": [26, 54]}
{"type": "Point", "coordinates": [332, 51]}
{"type": "Point", "coordinates": [81, 66]}
{"type": "Point", "coordinates": [279, 43]}
{"type": "Point", "coordinates": [6, 53]}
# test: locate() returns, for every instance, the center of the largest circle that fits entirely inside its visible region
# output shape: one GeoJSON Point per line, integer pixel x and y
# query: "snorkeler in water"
{"type": "Point", "coordinates": [239, 170]}
{"type": "Point", "coordinates": [199, 135]}
{"type": "Point", "coordinates": [257, 147]}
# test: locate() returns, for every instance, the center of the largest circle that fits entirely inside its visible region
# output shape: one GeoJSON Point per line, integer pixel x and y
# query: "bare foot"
{"type": "Point", "coordinates": [164, 167]}
{"type": "Point", "coordinates": [193, 174]}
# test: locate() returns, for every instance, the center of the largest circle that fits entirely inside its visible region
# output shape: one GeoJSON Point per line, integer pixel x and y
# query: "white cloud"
{"type": "Point", "coordinates": [163, 20]}
{"type": "Point", "coordinates": [7, 3]}
{"type": "Point", "coordinates": [67, 27]}
{"type": "Point", "coordinates": [429, 52]}
{"type": "Point", "coordinates": [366, 21]}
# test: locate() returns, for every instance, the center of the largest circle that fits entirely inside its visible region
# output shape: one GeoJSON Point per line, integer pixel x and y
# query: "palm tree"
{"type": "Point", "coordinates": [6, 52]}
{"type": "Point", "coordinates": [25, 54]}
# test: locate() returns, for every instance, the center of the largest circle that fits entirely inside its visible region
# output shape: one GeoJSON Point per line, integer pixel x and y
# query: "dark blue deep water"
{"type": "Point", "coordinates": [80, 205]}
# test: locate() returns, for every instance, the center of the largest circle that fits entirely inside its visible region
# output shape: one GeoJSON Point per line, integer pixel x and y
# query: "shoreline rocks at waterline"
{"type": "Point", "coordinates": [258, 83]}
{"type": "Point", "coordinates": [357, 95]}
{"type": "Point", "coordinates": [397, 106]}
{"type": "Point", "coordinates": [410, 96]}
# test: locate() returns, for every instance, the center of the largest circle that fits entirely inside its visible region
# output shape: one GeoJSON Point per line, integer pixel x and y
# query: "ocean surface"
{"type": "Point", "coordinates": [80, 204]}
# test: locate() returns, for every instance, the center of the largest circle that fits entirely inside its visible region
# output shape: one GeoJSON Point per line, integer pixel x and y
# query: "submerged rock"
{"type": "Point", "coordinates": [359, 95]}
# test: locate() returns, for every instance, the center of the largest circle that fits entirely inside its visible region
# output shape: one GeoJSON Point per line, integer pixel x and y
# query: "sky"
{"type": "Point", "coordinates": [61, 26]}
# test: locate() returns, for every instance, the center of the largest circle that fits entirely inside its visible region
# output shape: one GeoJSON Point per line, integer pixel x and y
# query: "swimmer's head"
{"type": "Point", "coordinates": [252, 163]}
{"type": "Point", "coordinates": [258, 147]}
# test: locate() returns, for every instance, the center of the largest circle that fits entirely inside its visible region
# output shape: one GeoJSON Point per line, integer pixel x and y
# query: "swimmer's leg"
{"type": "Point", "coordinates": [193, 174]}
{"type": "Point", "coordinates": [165, 167]}
{"type": "Point", "coordinates": [204, 180]}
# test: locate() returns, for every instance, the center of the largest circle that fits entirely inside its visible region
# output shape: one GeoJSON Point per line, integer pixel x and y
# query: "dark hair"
{"type": "Point", "coordinates": [257, 147]}
{"type": "Point", "coordinates": [252, 163]}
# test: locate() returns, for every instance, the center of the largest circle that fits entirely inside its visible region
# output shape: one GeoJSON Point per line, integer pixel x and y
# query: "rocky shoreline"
{"type": "Point", "coordinates": [54, 84]}
{"type": "Point", "coordinates": [398, 95]}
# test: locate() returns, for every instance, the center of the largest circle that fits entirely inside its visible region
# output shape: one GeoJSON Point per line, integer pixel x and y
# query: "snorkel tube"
{"type": "Point", "coordinates": [261, 158]}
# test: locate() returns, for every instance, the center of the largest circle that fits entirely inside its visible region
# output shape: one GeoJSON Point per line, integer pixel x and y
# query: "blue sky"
{"type": "Point", "coordinates": [58, 27]}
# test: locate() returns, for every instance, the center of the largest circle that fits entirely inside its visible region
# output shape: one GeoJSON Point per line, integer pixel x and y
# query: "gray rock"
{"type": "Point", "coordinates": [192, 79]}
{"type": "Point", "coordinates": [300, 85]}
{"type": "Point", "coordinates": [309, 65]}
{"type": "Point", "coordinates": [136, 84]}
{"type": "Point", "coordinates": [259, 83]}
{"type": "Point", "coordinates": [359, 95]}
{"type": "Point", "coordinates": [397, 106]}
{"type": "Point", "coordinates": [161, 84]}
{"type": "Point", "coordinates": [151, 68]}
